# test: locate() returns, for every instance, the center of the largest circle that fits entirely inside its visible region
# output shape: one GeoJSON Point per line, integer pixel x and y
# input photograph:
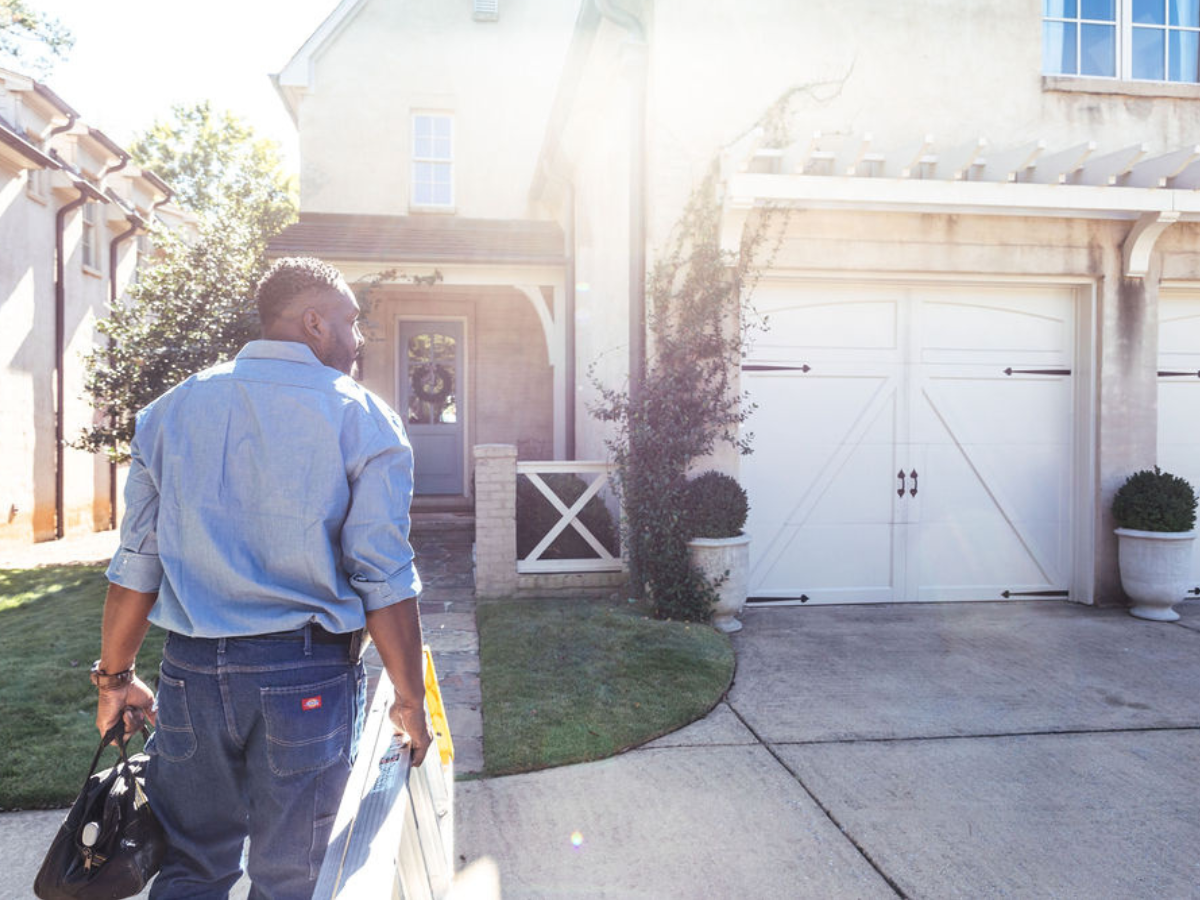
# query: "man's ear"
{"type": "Point", "coordinates": [313, 323]}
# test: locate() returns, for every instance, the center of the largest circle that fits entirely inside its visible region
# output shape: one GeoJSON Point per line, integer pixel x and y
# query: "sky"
{"type": "Point", "coordinates": [134, 59]}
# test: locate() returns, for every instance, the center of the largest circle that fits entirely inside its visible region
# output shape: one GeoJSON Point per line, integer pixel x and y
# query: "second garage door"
{"type": "Point", "coordinates": [1179, 394]}
{"type": "Point", "coordinates": [911, 443]}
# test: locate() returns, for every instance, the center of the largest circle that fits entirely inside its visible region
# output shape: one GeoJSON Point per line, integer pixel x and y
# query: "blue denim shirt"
{"type": "Point", "coordinates": [266, 493]}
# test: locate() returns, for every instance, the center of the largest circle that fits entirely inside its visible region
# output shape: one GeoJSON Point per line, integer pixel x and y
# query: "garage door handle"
{"type": "Point", "coordinates": [913, 476]}
{"type": "Point", "coordinates": [1178, 374]}
{"type": "Point", "coordinates": [901, 476]}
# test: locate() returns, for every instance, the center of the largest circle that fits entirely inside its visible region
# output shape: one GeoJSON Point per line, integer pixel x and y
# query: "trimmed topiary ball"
{"type": "Point", "coordinates": [715, 506]}
{"type": "Point", "coordinates": [1155, 501]}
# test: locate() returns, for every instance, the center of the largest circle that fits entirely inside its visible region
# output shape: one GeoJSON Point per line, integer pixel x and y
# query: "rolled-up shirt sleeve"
{"type": "Point", "coordinates": [376, 554]}
{"type": "Point", "coordinates": [136, 564]}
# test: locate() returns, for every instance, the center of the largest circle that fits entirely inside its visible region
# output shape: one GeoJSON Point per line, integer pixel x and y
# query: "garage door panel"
{"type": "Point", "coordinates": [807, 484]}
{"type": "Point", "coordinates": [831, 564]}
{"type": "Point", "coordinates": [819, 324]}
{"type": "Point", "coordinates": [992, 408]}
{"type": "Point", "coordinates": [974, 333]}
{"type": "Point", "coordinates": [979, 561]}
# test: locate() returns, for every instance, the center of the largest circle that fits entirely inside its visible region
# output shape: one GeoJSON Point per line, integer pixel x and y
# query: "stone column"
{"type": "Point", "coordinates": [495, 520]}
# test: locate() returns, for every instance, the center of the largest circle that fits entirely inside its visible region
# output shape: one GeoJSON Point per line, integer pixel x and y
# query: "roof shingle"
{"type": "Point", "coordinates": [432, 239]}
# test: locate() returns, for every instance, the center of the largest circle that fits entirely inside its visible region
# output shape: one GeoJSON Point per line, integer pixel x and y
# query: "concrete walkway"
{"type": "Point", "coordinates": [443, 544]}
{"type": "Point", "coordinates": [1019, 750]}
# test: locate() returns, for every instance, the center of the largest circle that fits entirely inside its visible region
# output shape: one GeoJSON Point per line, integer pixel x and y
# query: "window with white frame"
{"type": "Point", "coordinates": [1139, 40]}
{"type": "Point", "coordinates": [90, 244]}
{"type": "Point", "coordinates": [433, 160]}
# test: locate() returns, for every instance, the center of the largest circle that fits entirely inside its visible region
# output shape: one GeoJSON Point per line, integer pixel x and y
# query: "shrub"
{"type": "Point", "coordinates": [1155, 501]}
{"type": "Point", "coordinates": [715, 506]}
{"type": "Point", "coordinates": [535, 517]}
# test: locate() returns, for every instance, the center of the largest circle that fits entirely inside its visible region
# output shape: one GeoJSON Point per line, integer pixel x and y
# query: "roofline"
{"type": "Point", "coordinates": [12, 139]}
{"type": "Point", "coordinates": [297, 73]}
{"type": "Point", "coordinates": [51, 97]}
{"type": "Point", "coordinates": [106, 142]}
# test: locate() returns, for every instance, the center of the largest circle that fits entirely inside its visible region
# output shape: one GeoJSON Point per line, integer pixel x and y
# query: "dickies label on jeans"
{"type": "Point", "coordinates": [310, 703]}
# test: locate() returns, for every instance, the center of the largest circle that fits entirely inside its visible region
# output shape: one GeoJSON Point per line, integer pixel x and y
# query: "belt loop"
{"type": "Point", "coordinates": [221, 653]}
{"type": "Point", "coordinates": [308, 638]}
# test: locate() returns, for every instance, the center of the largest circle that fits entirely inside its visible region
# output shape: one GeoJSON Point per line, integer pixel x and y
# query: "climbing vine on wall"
{"type": "Point", "coordinates": [699, 316]}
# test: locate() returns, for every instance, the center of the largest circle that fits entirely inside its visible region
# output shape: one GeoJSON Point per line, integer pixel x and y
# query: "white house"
{"type": "Point", "coordinates": [73, 215]}
{"type": "Point", "coordinates": [985, 307]}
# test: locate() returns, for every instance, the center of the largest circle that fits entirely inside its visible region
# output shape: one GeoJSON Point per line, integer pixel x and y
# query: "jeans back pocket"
{"type": "Point", "coordinates": [174, 739]}
{"type": "Point", "coordinates": [308, 725]}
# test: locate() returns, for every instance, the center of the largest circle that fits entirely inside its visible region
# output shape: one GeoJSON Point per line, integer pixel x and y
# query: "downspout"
{"type": "Point", "coordinates": [637, 190]}
{"type": "Point", "coordinates": [135, 225]}
{"type": "Point", "coordinates": [59, 332]}
{"type": "Point", "coordinates": [60, 390]}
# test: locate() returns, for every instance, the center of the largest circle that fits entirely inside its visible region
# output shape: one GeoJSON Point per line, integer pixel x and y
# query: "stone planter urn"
{"type": "Point", "coordinates": [1155, 570]}
{"type": "Point", "coordinates": [1155, 513]}
{"type": "Point", "coordinates": [726, 563]}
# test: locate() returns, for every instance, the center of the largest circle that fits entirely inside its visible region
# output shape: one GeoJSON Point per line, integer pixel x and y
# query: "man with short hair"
{"type": "Point", "coordinates": [266, 526]}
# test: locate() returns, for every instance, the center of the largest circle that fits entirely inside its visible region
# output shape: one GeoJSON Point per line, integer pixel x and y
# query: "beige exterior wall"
{"type": "Point", "coordinates": [393, 58]}
{"type": "Point", "coordinates": [507, 366]}
{"type": "Point", "coordinates": [899, 72]}
{"type": "Point", "coordinates": [27, 321]}
{"type": "Point", "coordinates": [26, 362]}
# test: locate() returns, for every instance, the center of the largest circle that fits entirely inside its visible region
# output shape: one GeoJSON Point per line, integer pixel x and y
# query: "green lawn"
{"type": "Point", "coordinates": [49, 635]}
{"type": "Point", "coordinates": [572, 680]}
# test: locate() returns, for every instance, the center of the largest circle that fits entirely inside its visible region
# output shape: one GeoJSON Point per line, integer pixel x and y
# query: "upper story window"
{"type": "Point", "coordinates": [1143, 40]}
{"type": "Point", "coordinates": [433, 160]}
{"type": "Point", "coordinates": [90, 244]}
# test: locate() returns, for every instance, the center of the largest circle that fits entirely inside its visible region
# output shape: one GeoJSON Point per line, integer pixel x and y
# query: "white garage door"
{"type": "Point", "coordinates": [911, 443]}
{"type": "Point", "coordinates": [1179, 393]}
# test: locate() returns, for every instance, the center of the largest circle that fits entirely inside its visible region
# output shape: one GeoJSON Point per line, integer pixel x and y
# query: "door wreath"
{"type": "Point", "coordinates": [432, 383]}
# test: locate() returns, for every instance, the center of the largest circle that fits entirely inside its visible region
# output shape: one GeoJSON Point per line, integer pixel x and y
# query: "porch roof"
{"type": "Point", "coordinates": [426, 239]}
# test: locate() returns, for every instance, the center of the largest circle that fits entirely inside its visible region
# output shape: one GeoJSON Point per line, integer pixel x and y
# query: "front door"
{"type": "Point", "coordinates": [912, 443]}
{"type": "Point", "coordinates": [431, 395]}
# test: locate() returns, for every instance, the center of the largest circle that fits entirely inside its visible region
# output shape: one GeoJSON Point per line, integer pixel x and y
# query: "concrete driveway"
{"type": "Point", "coordinates": [1024, 750]}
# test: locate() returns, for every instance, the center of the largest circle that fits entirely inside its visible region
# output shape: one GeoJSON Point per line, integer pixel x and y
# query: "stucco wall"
{"type": "Point", "coordinates": [397, 56]}
{"type": "Point", "coordinates": [898, 71]}
{"type": "Point", "coordinates": [27, 379]}
{"type": "Point", "coordinates": [26, 363]}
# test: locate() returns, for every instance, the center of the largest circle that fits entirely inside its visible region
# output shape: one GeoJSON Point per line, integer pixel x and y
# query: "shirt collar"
{"type": "Point", "coordinates": [288, 351]}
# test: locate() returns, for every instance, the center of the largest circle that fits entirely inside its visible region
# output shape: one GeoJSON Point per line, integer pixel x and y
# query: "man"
{"type": "Point", "coordinates": [266, 525]}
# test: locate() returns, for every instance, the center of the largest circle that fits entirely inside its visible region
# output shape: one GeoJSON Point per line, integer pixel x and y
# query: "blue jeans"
{"type": "Point", "coordinates": [256, 737]}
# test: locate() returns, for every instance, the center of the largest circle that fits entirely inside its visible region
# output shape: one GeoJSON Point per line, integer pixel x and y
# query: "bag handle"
{"type": "Point", "coordinates": [115, 735]}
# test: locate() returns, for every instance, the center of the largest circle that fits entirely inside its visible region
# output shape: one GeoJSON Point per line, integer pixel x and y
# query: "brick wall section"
{"type": "Point", "coordinates": [495, 520]}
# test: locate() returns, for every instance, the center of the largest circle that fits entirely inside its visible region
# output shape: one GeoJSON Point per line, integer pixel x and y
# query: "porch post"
{"type": "Point", "coordinates": [495, 520]}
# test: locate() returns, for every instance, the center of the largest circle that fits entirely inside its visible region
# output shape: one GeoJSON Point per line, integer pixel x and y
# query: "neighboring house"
{"type": "Point", "coordinates": [420, 124]}
{"type": "Point", "coordinates": [984, 308]}
{"type": "Point", "coordinates": [72, 213]}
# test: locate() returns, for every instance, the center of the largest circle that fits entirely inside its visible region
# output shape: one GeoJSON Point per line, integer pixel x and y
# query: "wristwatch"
{"type": "Point", "coordinates": [100, 678]}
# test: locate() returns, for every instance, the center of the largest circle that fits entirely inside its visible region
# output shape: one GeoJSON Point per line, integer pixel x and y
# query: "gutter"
{"type": "Point", "coordinates": [135, 225]}
{"type": "Point", "coordinates": [60, 392]}
{"type": "Point", "coordinates": [637, 190]}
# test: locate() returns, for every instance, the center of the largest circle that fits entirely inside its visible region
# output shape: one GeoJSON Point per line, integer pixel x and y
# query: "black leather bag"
{"type": "Point", "coordinates": [110, 844]}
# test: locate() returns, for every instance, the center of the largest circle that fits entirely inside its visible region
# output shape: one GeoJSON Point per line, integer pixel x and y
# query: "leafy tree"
{"type": "Point", "coordinates": [32, 40]}
{"type": "Point", "coordinates": [217, 166]}
{"type": "Point", "coordinates": [194, 306]}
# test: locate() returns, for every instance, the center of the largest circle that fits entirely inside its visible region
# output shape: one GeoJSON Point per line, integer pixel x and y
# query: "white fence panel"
{"type": "Point", "coordinates": [604, 560]}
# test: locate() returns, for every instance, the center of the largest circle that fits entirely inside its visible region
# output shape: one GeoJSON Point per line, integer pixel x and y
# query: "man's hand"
{"type": "Point", "coordinates": [135, 700]}
{"type": "Point", "coordinates": [414, 725]}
